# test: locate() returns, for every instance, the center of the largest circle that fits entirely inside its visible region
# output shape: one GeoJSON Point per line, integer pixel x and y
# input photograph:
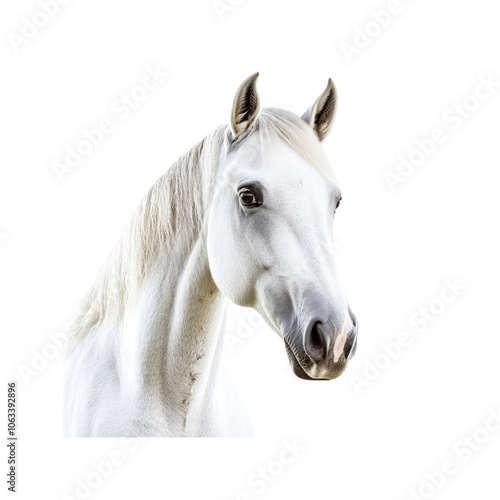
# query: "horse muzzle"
{"type": "Point", "coordinates": [324, 349]}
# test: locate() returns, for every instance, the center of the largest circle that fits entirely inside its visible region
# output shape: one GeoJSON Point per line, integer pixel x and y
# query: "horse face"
{"type": "Point", "coordinates": [270, 247]}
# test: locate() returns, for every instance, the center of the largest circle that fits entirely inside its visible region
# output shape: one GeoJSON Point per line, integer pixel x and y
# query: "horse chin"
{"type": "Point", "coordinates": [301, 372]}
{"type": "Point", "coordinates": [297, 367]}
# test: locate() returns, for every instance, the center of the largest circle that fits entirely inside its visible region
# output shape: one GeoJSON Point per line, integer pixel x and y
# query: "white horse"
{"type": "Point", "coordinates": [245, 215]}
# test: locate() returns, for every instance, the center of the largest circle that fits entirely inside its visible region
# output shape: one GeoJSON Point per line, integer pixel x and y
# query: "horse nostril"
{"type": "Point", "coordinates": [316, 338]}
{"type": "Point", "coordinates": [315, 342]}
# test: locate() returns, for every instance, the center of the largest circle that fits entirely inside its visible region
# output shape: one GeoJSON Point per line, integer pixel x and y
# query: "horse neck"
{"type": "Point", "coordinates": [171, 342]}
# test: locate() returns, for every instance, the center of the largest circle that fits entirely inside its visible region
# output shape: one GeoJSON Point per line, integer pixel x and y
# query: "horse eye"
{"type": "Point", "coordinates": [247, 198]}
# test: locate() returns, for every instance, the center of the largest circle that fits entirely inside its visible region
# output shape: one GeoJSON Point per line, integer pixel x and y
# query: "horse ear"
{"type": "Point", "coordinates": [245, 107]}
{"type": "Point", "coordinates": [320, 114]}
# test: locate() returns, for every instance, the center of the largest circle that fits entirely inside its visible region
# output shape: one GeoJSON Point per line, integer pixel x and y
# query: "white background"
{"type": "Point", "coordinates": [395, 248]}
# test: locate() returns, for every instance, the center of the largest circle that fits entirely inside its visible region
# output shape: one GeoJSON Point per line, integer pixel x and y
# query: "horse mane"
{"type": "Point", "coordinates": [275, 124]}
{"type": "Point", "coordinates": [173, 210]}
